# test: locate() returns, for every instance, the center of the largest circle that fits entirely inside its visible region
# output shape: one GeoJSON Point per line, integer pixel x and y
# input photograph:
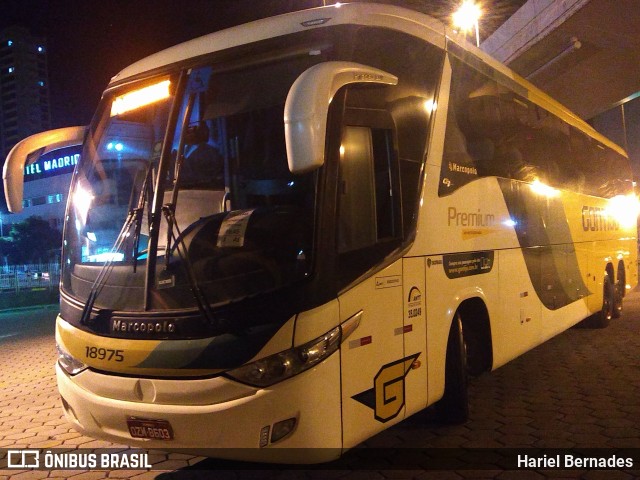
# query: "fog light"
{"type": "Point", "coordinates": [282, 429]}
{"type": "Point", "coordinates": [264, 436]}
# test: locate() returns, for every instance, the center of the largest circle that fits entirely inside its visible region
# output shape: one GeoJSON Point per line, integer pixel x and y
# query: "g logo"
{"type": "Point", "coordinates": [386, 398]}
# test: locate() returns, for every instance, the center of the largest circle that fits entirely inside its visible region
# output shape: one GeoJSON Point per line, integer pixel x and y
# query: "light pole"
{"type": "Point", "coordinates": [466, 18]}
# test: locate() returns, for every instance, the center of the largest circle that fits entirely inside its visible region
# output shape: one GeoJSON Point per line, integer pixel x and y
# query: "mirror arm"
{"type": "Point", "coordinates": [28, 151]}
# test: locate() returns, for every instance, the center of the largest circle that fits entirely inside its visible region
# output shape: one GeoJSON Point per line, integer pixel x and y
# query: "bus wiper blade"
{"type": "Point", "coordinates": [101, 278]}
{"type": "Point", "coordinates": [139, 212]}
{"type": "Point", "coordinates": [134, 217]}
{"type": "Point", "coordinates": [201, 300]}
{"type": "Point", "coordinates": [170, 208]}
{"type": "Point", "coordinates": [136, 237]}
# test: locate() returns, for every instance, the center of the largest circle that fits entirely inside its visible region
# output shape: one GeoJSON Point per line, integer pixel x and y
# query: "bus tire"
{"type": "Point", "coordinates": [602, 318]}
{"type": "Point", "coordinates": [453, 408]}
{"type": "Point", "coordinates": [619, 291]}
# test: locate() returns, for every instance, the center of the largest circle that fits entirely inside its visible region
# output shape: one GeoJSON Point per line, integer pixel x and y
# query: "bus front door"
{"type": "Point", "coordinates": [372, 360]}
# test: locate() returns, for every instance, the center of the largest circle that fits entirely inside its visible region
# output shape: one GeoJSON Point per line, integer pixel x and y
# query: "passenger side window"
{"type": "Point", "coordinates": [601, 171]}
{"type": "Point", "coordinates": [368, 208]}
{"type": "Point", "coordinates": [369, 223]}
{"type": "Point", "coordinates": [494, 131]}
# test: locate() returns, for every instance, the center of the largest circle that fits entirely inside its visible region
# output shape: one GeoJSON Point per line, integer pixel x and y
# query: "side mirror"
{"type": "Point", "coordinates": [307, 106]}
{"type": "Point", "coordinates": [28, 151]}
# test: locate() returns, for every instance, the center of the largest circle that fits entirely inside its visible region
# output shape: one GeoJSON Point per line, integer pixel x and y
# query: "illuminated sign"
{"type": "Point", "coordinates": [53, 163]}
{"type": "Point", "coordinates": [140, 98]}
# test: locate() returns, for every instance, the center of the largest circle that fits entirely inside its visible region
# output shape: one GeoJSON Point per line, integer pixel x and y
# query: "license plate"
{"type": "Point", "coordinates": [150, 429]}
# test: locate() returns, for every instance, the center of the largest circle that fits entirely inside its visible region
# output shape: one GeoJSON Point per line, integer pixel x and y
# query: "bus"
{"type": "Point", "coordinates": [284, 237]}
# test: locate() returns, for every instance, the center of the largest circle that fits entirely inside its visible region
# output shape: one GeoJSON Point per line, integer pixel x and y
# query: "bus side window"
{"type": "Point", "coordinates": [606, 172]}
{"type": "Point", "coordinates": [369, 223]}
{"type": "Point", "coordinates": [367, 213]}
{"type": "Point", "coordinates": [495, 131]}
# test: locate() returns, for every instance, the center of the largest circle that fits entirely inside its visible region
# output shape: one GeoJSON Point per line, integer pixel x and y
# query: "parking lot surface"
{"type": "Point", "coordinates": [580, 390]}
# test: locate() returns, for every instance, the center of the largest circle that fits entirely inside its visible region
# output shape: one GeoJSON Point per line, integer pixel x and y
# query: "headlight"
{"type": "Point", "coordinates": [70, 364]}
{"type": "Point", "coordinates": [275, 368]}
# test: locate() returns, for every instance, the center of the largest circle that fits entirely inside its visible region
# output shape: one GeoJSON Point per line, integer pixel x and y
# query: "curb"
{"type": "Point", "coordinates": [51, 306]}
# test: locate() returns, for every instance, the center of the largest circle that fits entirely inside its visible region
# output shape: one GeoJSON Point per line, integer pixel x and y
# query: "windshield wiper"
{"type": "Point", "coordinates": [176, 181]}
{"type": "Point", "coordinates": [139, 212]}
{"type": "Point", "coordinates": [169, 210]}
{"type": "Point", "coordinates": [201, 300]}
{"type": "Point", "coordinates": [134, 218]}
{"type": "Point", "coordinates": [99, 282]}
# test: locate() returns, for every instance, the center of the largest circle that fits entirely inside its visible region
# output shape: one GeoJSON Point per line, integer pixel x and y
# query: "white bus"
{"type": "Point", "coordinates": [287, 236]}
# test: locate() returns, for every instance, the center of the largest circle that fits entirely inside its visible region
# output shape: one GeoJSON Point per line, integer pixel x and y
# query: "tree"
{"type": "Point", "coordinates": [34, 241]}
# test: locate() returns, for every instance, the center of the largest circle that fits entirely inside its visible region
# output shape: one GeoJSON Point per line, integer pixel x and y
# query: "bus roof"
{"type": "Point", "coordinates": [355, 13]}
{"type": "Point", "coordinates": [389, 16]}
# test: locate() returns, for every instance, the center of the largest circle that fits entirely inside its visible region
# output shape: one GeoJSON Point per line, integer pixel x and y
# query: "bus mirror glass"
{"type": "Point", "coordinates": [28, 151]}
{"type": "Point", "coordinates": [307, 106]}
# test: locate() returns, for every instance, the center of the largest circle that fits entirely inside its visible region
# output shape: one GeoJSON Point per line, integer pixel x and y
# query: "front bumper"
{"type": "Point", "coordinates": [214, 417]}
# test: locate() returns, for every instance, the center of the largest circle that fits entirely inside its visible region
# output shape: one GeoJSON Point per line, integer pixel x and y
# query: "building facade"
{"type": "Point", "coordinates": [24, 110]}
{"type": "Point", "coordinates": [24, 89]}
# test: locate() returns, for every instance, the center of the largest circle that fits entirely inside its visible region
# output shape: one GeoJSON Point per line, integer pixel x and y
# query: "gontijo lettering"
{"type": "Point", "coordinates": [598, 219]}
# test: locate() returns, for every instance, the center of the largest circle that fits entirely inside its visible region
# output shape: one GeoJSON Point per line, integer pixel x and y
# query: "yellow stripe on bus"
{"type": "Point", "coordinates": [118, 355]}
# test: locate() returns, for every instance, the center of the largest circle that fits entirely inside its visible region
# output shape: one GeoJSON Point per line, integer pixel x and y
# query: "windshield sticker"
{"type": "Point", "coordinates": [389, 282]}
{"type": "Point", "coordinates": [466, 264]}
{"type": "Point", "coordinates": [233, 229]}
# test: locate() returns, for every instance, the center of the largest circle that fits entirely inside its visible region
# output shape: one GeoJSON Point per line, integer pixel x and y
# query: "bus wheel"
{"type": "Point", "coordinates": [604, 316]}
{"type": "Point", "coordinates": [453, 408]}
{"type": "Point", "coordinates": [619, 291]}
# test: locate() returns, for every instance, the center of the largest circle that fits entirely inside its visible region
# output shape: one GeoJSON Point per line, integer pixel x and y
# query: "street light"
{"type": "Point", "coordinates": [466, 18]}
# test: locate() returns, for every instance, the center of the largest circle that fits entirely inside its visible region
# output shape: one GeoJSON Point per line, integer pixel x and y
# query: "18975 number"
{"type": "Point", "coordinates": [104, 354]}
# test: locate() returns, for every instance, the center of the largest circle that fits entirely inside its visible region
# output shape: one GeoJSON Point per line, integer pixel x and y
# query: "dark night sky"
{"type": "Point", "coordinates": [89, 41]}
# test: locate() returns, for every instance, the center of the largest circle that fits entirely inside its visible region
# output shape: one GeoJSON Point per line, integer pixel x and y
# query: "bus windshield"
{"type": "Point", "coordinates": [235, 221]}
